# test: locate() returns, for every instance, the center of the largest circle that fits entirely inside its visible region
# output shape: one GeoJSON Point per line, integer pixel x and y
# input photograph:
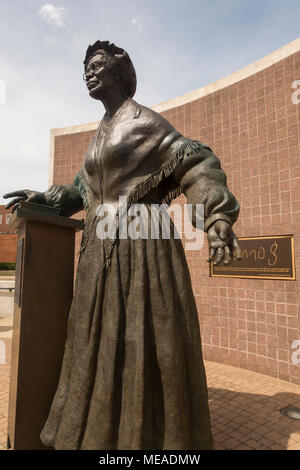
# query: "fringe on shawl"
{"type": "Point", "coordinates": [189, 147]}
{"type": "Point", "coordinates": [82, 185]}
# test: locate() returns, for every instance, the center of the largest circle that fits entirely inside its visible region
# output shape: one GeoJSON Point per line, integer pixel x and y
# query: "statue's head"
{"type": "Point", "coordinates": [105, 65]}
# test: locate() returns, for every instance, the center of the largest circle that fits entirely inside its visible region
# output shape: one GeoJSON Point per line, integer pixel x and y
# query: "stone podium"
{"type": "Point", "coordinates": [43, 295]}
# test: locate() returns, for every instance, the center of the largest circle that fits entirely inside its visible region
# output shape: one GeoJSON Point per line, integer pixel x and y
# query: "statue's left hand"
{"type": "Point", "coordinates": [223, 243]}
{"type": "Point", "coordinates": [24, 195]}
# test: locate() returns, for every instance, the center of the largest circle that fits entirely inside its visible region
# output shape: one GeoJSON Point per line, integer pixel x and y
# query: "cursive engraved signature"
{"type": "Point", "coordinates": [261, 253]}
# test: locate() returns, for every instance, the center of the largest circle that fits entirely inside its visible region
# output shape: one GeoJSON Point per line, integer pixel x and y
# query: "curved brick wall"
{"type": "Point", "coordinates": [252, 125]}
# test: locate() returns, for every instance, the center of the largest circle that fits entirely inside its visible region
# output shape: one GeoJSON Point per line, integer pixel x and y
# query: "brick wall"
{"type": "Point", "coordinates": [4, 219]}
{"type": "Point", "coordinates": [8, 239]}
{"type": "Point", "coordinates": [8, 248]}
{"type": "Point", "coordinates": [253, 127]}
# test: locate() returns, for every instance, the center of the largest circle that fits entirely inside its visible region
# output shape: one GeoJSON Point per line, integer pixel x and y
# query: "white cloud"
{"type": "Point", "coordinates": [137, 24]}
{"type": "Point", "coordinates": [52, 14]}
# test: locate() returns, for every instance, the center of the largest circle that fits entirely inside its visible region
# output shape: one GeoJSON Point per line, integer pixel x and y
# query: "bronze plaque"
{"type": "Point", "coordinates": [19, 272]}
{"type": "Point", "coordinates": [262, 258]}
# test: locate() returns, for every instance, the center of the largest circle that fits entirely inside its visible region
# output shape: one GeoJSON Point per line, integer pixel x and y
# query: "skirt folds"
{"type": "Point", "coordinates": [132, 375]}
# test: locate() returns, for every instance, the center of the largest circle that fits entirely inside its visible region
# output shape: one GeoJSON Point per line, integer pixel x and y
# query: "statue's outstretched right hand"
{"type": "Point", "coordinates": [24, 195]}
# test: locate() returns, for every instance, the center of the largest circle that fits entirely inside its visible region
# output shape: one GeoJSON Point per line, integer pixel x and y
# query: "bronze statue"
{"type": "Point", "coordinates": [132, 375]}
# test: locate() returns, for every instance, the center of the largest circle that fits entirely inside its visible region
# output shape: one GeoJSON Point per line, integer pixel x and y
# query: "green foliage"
{"type": "Point", "coordinates": [7, 266]}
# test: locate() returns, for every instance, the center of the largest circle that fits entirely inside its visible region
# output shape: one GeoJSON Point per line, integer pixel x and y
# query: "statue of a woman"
{"type": "Point", "coordinates": [132, 375]}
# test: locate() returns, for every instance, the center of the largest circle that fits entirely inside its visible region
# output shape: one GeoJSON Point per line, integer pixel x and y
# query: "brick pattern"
{"type": "Point", "coordinates": [69, 151]}
{"type": "Point", "coordinates": [8, 247]}
{"type": "Point", "coordinates": [8, 238]}
{"type": "Point", "coordinates": [4, 218]}
{"type": "Point", "coordinates": [245, 410]}
{"type": "Point", "coordinates": [253, 127]}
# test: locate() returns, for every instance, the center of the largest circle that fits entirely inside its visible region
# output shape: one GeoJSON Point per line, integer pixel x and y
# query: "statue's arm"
{"type": "Point", "coordinates": [67, 198]}
{"type": "Point", "coordinates": [203, 181]}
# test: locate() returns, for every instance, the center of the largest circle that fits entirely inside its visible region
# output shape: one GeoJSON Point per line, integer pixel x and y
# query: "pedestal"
{"type": "Point", "coordinates": [43, 295]}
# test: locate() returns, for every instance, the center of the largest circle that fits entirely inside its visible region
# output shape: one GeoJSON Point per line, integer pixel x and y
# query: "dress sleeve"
{"type": "Point", "coordinates": [203, 181]}
{"type": "Point", "coordinates": [67, 198]}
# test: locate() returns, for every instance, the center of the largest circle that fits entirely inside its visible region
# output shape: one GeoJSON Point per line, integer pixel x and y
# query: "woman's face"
{"type": "Point", "coordinates": [99, 77]}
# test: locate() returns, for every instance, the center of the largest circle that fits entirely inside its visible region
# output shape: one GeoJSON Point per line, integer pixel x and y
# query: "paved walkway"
{"type": "Point", "coordinates": [244, 405]}
{"type": "Point", "coordinates": [6, 297]}
{"type": "Point", "coordinates": [5, 339]}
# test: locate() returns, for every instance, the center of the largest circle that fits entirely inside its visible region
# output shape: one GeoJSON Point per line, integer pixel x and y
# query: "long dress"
{"type": "Point", "coordinates": [132, 375]}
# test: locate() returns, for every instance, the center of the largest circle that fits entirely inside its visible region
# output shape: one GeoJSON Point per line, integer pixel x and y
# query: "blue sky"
{"type": "Point", "coordinates": [176, 47]}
